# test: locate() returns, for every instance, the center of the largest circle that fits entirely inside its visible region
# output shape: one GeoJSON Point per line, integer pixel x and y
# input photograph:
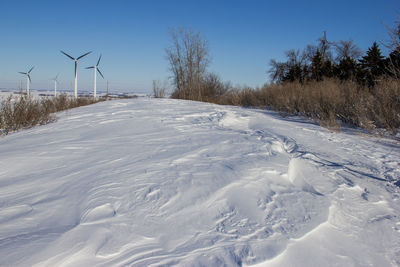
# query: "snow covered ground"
{"type": "Point", "coordinates": [150, 182]}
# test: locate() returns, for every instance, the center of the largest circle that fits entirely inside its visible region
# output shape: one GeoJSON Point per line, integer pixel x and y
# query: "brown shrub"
{"type": "Point", "coordinates": [25, 112]}
{"type": "Point", "coordinates": [385, 104]}
{"type": "Point", "coordinates": [22, 112]}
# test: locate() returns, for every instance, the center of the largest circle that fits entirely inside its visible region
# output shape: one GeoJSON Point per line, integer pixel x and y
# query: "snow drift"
{"type": "Point", "coordinates": [149, 182]}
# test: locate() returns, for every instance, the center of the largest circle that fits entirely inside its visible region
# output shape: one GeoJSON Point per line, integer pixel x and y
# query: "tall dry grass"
{"type": "Point", "coordinates": [331, 102]}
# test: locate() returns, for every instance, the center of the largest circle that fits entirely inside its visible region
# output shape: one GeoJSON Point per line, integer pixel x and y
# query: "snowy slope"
{"type": "Point", "coordinates": [149, 182]}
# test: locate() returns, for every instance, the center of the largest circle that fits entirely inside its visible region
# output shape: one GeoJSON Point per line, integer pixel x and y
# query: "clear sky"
{"type": "Point", "coordinates": [132, 36]}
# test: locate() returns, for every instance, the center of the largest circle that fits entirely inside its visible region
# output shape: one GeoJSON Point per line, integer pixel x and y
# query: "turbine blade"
{"type": "Point", "coordinates": [29, 77]}
{"type": "Point", "coordinates": [100, 72]}
{"type": "Point", "coordinates": [92, 67]}
{"type": "Point", "coordinates": [31, 69]}
{"type": "Point", "coordinates": [84, 55]}
{"type": "Point", "coordinates": [23, 73]}
{"type": "Point", "coordinates": [76, 66]}
{"type": "Point", "coordinates": [98, 62]}
{"type": "Point", "coordinates": [67, 55]}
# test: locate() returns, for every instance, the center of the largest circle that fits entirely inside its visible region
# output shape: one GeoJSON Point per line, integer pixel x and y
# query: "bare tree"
{"type": "Point", "coordinates": [347, 49]}
{"type": "Point", "coordinates": [310, 51]}
{"type": "Point", "coordinates": [394, 35]}
{"type": "Point", "coordinates": [189, 58]}
{"type": "Point", "coordinates": [295, 57]}
{"type": "Point", "coordinates": [393, 65]}
{"type": "Point", "coordinates": [324, 47]}
{"type": "Point", "coordinates": [291, 70]}
{"type": "Point", "coordinates": [277, 70]}
{"type": "Point", "coordinates": [159, 88]}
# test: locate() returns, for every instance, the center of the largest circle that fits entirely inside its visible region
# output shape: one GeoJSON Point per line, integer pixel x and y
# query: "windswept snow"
{"type": "Point", "coordinates": [150, 182]}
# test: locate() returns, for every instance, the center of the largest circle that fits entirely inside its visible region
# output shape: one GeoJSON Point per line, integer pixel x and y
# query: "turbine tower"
{"type": "Point", "coordinates": [28, 80]}
{"type": "Point", "coordinates": [76, 71]}
{"type": "Point", "coordinates": [55, 85]}
{"type": "Point", "coordinates": [96, 68]}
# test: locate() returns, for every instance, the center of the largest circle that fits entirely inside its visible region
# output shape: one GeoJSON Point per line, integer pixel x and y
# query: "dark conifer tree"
{"type": "Point", "coordinates": [317, 67]}
{"type": "Point", "coordinates": [295, 73]}
{"type": "Point", "coordinates": [327, 69]}
{"type": "Point", "coordinates": [346, 69]}
{"type": "Point", "coordinates": [372, 65]}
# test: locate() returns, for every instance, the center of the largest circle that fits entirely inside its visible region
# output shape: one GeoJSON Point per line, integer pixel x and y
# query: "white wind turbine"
{"type": "Point", "coordinates": [96, 68]}
{"type": "Point", "coordinates": [55, 85]}
{"type": "Point", "coordinates": [28, 80]}
{"type": "Point", "coordinates": [76, 71]}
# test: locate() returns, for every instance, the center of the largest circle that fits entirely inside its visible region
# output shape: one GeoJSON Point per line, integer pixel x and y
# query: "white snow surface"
{"type": "Point", "coordinates": [161, 182]}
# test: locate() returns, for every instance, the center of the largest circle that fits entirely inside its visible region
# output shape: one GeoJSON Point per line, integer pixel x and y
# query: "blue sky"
{"type": "Point", "coordinates": [132, 36]}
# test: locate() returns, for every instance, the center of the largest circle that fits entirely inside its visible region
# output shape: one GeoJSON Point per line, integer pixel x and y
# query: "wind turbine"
{"type": "Point", "coordinates": [28, 79]}
{"type": "Point", "coordinates": [76, 71]}
{"type": "Point", "coordinates": [55, 85]}
{"type": "Point", "coordinates": [96, 68]}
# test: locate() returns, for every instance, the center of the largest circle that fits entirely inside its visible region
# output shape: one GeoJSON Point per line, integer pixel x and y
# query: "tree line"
{"type": "Point", "coordinates": [342, 60]}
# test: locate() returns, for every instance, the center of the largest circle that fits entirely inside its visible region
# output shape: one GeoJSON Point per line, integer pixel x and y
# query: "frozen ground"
{"type": "Point", "coordinates": [147, 182]}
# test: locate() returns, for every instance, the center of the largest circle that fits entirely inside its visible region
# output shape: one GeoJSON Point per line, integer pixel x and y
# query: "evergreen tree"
{"type": "Point", "coordinates": [320, 68]}
{"type": "Point", "coordinates": [327, 69]}
{"type": "Point", "coordinates": [294, 73]}
{"type": "Point", "coordinates": [317, 67]}
{"type": "Point", "coordinates": [372, 65]}
{"type": "Point", "coordinates": [346, 69]}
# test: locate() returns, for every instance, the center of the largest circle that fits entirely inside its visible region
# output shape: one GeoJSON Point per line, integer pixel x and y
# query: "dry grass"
{"type": "Point", "coordinates": [24, 112]}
